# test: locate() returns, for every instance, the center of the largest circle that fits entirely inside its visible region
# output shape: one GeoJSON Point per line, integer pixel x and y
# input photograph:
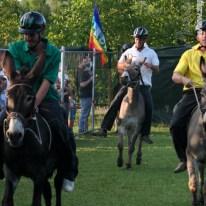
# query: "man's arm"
{"type": "Point", "coordinates": [85, 83]}
{"type": "Point", "coordinates": [180, 79]}
{"type": "Point", "coordinates": [154, 68]}
{"type": "Point", "coordinates": [122, 65]}
{"type": "Point", "coordinates": [42, 91]}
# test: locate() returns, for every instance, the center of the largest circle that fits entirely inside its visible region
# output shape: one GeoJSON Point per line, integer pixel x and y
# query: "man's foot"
{"type": "Point", "coordinates": [1, 172]}
{"type": "Point", "coordinates": [1, 175]}
{"type": "Point", "coordinates": [180, 167]}
{"type": "Point", "coordinates": [82, 132]}
{"type": "Point", "coordinates": [102, 133]}
{"type": "Point", "coordinates": [68, 185]}
{"type": "Point", "coordinates": [147, 139]}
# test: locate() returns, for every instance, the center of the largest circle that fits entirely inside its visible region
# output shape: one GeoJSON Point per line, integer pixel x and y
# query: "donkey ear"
{"type": "Point", "coordinates": [8, 65]}
{"type": "Point", "coordinates": [203, 66]}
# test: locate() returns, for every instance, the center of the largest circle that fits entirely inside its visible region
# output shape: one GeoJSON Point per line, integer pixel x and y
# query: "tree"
{"type": "Point", "coordinates": [169, 22]}
{"type": "Point", "coordinates": [10, 11]}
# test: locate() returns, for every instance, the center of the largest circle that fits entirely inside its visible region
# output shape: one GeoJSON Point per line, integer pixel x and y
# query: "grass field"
{"type": "Point", "coordinates": [102, 183]}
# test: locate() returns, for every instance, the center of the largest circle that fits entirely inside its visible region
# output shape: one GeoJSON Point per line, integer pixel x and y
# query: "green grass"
{"type": "Point", "coordinates": [102, 183]}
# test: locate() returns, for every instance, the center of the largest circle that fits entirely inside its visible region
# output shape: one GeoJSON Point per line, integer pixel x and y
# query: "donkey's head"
{"type": "Point", "coordinates": [131, 75]}
{"type": "Point", "coordinates": [20, 107]}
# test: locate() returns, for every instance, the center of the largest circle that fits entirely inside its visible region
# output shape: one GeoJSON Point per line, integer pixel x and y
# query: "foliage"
{"type": "Point", "coordinates": [169, 22]}
{"type": "Point", "coordinates": [9, 11]}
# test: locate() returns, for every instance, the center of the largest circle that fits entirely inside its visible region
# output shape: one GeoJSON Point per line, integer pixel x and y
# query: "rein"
{"type": "Point", "coordinates": [37, 135]}
{"type": "Point", "coordinates": [198, 103]}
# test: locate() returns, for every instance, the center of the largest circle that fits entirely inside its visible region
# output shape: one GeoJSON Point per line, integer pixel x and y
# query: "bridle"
{"type": "Point", "coordinates": [16, 115]}
{"type": "Point", "coordinates": [134, 83]}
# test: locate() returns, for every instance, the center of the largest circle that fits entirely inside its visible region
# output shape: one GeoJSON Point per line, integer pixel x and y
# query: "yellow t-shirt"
{"type": "Point", "coordinates": [189, 66]}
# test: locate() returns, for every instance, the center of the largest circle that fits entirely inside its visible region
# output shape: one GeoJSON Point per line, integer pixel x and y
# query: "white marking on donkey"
{"type": "Point", "coordinates": [131, 116]}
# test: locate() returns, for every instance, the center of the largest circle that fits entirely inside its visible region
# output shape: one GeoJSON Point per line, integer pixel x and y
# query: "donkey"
{"type": "Point", "coordinates": [28, 149]}
{"type": "Point", "coordinates": [196, 146]}
{"type": "Point", "coordinates": [131, 116]}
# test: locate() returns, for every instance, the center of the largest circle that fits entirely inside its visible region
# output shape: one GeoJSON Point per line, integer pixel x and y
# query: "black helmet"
{"type": "Point", "coordinates": [140, 32]}
{"type": "Point", "coordinates": [201, 26]}
{"type": "Point", "coordinates": [125, 47]}
{"type": "Point", "coordinates": [32, 22]}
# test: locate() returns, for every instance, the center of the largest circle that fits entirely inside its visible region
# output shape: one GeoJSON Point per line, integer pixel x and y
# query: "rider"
{"type": "Point", "coordinates": [41, 59]}
{"type": "Point", "coordinates": [140, 54]}
{"type": "Point", "coordinates": [187, 73]}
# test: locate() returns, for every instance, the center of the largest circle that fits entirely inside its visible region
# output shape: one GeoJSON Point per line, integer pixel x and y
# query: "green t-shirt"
{"type": "Point", "coordinates": [25, 59]}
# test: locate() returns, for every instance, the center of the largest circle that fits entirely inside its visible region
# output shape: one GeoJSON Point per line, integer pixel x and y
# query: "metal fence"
{"type": "Point", "coordinates": [165, 93]}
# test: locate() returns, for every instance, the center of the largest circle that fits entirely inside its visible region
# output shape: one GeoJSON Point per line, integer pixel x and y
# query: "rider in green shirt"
{"type": "Point", "coordinates": [40, 61]}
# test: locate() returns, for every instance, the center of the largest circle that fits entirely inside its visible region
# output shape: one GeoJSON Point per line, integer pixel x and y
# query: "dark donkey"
{"type": "Point", "coordinates": [196, 147]}
{"type": "Point", "coordinates": [131, 115]}
{"type": "Point", "coordinates": [28, 147]}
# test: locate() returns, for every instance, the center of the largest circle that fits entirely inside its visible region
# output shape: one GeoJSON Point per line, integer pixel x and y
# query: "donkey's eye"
{"type": "Point", "coordinates": [29, 98]}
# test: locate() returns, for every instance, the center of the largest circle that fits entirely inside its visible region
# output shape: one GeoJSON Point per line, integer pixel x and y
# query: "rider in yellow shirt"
{"type": "Point", "coordinates": [187, 73]}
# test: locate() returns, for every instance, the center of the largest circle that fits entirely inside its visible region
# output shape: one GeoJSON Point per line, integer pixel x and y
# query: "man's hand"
{"type": "Point", "coordinates": [187, 82]}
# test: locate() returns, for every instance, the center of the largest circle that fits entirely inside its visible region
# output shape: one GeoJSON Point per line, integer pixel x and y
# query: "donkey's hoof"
{"type": "Point", "coordinates": [138, 161]}
{"type": "Point", "coordinates": [128, 165]}
{"type": "Point", "coordinates": [119, 162]}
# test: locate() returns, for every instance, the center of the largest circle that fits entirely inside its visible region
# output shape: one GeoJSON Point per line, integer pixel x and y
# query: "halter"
{"type": "Point", "coordinates": [16, 115]}
{"type": "Point", "coordinates": [19, 84]}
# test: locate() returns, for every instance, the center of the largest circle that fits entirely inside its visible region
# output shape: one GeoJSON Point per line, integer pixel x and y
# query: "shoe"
{"type": "Point", "coordinates": [82, 132]}
{"type": "Point", "coordinates": [180, 167]}
{"type": "Point", "coordinates": [1, 172]}
{"type": "Point", "coordinates": [147, 139]}
{"type": "Point", "coordinates": [68, 185]}
{"type": "Point", "coordinates": [102, 133]}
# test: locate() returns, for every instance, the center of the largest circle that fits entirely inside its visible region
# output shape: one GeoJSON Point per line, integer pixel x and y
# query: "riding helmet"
{"type": "Point", "coordinates": [125, 47]}
{"type": "Point", "coordinates": [32, 22]}
{"type": "Point", "coordinates": [140, 32]}
{"type": "Point", "coordinates": [201, 26]}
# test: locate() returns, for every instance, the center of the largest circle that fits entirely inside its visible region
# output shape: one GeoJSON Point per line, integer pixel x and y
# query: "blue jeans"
{"type": "Point", "coordinates": [85, 104]}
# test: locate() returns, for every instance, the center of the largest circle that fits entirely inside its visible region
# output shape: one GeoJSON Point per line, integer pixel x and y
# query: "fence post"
{"type": "Point", "coordinates": [62, 72]}
{"type": "Point", "coordinates": [93, 85]}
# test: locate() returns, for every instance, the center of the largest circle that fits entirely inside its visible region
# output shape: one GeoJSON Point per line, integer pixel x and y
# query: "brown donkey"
{"type": "Point", "coordinates": [28, 148]}
{"type": "Point", "coordinates": [131, 116]}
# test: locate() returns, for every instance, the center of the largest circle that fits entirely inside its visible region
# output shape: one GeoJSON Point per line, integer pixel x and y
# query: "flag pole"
{"type": "Point", "coordinates": [93, 85]}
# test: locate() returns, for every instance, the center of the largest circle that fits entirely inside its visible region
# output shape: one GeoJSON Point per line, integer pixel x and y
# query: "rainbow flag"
{"type": "Point", "coordinates": [96, 37]}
